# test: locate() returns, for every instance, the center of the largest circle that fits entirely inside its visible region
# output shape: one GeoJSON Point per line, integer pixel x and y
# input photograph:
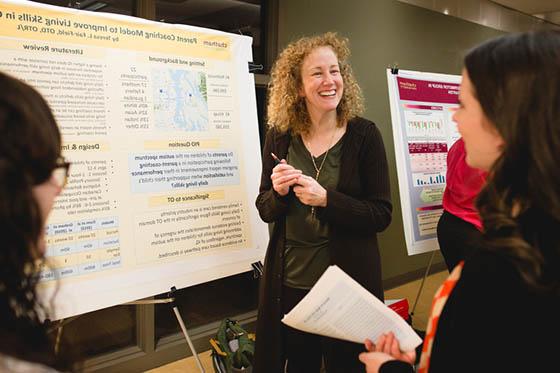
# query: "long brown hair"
{"type": "Point", "coordinates": [517, 82]}
{"type": "Point", "coordinates": [29, 147]}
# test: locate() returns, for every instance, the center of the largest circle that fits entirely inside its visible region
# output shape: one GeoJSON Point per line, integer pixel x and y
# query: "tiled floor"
{"type": "Point", "coordinates": [409, 291]}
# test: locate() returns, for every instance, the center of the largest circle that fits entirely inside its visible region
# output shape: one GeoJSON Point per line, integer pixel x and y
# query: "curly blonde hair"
{"type": "Point", "coordinates": [286, 108]}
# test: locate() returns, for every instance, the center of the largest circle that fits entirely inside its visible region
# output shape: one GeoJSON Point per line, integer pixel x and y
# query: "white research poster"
{"type": "Point", "coordinates": [422, 106]}
{"type": "Point", "coordinates": [160, 124]}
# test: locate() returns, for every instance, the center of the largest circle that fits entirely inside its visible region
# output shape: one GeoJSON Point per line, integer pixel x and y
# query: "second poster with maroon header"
{"type": "Point", "coordinates": [422, 106]}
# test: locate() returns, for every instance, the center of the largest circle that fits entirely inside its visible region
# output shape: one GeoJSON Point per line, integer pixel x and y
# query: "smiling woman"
{"type": "Point", "coordinates": [322, 84]}
{"type": "Point", "coordinates": [327, 193]}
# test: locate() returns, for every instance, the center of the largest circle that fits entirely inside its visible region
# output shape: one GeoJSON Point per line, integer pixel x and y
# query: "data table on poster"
{"type": "Point", "coordinates": [81, 247]}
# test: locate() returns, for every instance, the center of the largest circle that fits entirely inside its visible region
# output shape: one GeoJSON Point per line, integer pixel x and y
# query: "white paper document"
{"type": "Point", "coordinates": [338, 307]}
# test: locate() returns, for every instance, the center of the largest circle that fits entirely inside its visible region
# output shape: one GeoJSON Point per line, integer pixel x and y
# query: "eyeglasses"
{"type": "Point", "coordinates": [61, 171]}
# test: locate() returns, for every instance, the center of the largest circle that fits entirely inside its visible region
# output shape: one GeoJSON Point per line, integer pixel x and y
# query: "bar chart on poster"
{"type": "Point", "coordinates": [160, 125]}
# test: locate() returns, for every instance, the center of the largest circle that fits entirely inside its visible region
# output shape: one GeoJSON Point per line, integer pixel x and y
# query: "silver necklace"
{"type": "Point", "coordinates": [318, 169]}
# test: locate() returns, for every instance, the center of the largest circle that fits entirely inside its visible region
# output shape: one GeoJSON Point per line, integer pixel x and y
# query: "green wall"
{"type": "Point", "coordinates": [381, 33]}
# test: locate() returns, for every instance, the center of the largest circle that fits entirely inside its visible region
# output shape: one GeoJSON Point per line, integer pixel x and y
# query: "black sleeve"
{"type": "Point", "coordinates": [270, 204]}
{"type": "Point", "coordinates": [396, 366]}
{"type": "Point", "coordinates": [493, 322]}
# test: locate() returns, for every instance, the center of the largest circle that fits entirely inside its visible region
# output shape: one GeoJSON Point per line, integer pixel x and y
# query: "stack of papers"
{"type": "Point", "coordinates": [338, 307]}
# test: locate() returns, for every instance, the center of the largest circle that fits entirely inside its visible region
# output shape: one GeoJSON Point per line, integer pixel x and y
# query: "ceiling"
{"type": "Point", "coordinates": [238, 16]}
{"type": "Point", "coordinates": [545, 9]}
{"type": "Point", "coordinates": [242, 15]}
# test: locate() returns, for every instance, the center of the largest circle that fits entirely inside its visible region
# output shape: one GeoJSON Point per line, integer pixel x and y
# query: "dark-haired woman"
{"type": "Point", "coordinates": [498, 311]}
{"type": "Point", "coordinates": [32, 174]}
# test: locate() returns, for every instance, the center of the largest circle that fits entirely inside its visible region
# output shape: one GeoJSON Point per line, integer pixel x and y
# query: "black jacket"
{"type": "Point", "coordinates": [358, 209]}
{"type": "Point", "coordinates": [492, 322]}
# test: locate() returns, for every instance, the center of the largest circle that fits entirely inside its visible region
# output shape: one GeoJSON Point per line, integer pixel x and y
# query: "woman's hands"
{"type": "Point", "coordinates": [306, 188]}
{"type": "Point", "coordinates": [283, 177]}
{"type": "Point", "coordinates": [310, 192]}
{"type": "Point", "coordinates": [387, 348]}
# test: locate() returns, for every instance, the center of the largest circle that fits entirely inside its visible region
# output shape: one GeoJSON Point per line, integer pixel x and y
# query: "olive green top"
{"type": "Point", "coordinates": [307, 240]}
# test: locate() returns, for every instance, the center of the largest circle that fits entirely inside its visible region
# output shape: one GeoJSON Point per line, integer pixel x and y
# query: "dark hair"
{"type": "Point", "coordinates": [29, 148]}
{"type": "Point", "coordinates": [516, 79]}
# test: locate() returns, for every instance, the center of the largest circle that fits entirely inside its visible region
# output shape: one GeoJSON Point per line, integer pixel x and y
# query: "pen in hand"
{"type": "Point", "coordinates": [293, 174]}
{"type": "Point", "coordinates": [276, 159]}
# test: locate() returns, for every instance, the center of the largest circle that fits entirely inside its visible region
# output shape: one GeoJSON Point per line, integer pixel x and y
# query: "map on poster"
{"type": "Point", "coordinates": [160, 125]}
{"type": "Point", "coordinates": [422, 106]}
{"type": "Point", "coordinates": [180, 100]}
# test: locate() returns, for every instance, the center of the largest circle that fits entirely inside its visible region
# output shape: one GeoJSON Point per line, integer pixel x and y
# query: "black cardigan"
{"type": "Point", "coordinates": [356, 210]}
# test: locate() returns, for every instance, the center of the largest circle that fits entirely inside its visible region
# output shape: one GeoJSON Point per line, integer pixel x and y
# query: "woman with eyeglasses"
{"type": "Point", "coordinates": [32, 174]}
